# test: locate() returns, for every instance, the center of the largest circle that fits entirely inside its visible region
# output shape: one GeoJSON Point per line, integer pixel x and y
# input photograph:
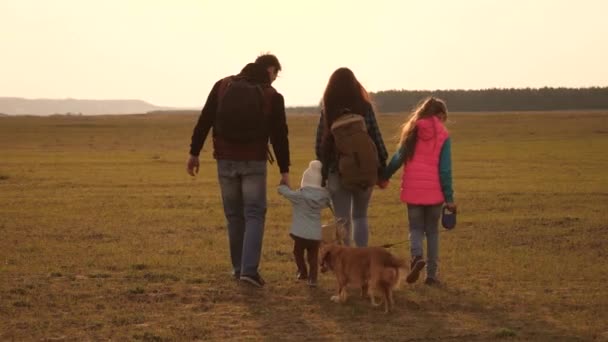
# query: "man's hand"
{"type": "Point", "coordinates": [193, 165]}
{"type": "Point", "coordinates": [285, 179]}
{"type": "Point", "coordinates": [451, 206]}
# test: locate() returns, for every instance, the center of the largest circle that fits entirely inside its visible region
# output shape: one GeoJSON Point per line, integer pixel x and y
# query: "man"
{"type": "Point", "coordinates": [241, 131]}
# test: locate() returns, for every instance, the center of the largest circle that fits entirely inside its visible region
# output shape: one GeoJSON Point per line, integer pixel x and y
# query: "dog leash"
{"type": "Point", "coordinates": [386, 245]}
{"type": "Point", "coordinates": [389, 245]}
{"type": "Point", "coordinates": [332, 210]}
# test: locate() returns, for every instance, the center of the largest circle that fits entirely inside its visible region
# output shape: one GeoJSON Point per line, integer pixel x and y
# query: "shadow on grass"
{"type": "Point", "coordinates": [282, 313]}
{"type": "Point", "coordinates": [420, 314]}
{"type": "Point", "coordinates": [301, 313]}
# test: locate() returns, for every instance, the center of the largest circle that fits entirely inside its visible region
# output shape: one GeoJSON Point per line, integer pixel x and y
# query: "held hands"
{"type": "Point", "coordinates": [192, 165]}
{"type": "Point", "coordinates": [382, 183]}
{"type": "Point", "coordinates": [285, 179]}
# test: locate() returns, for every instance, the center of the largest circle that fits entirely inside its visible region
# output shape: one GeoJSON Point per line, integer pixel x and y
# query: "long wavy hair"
{"type": "Point", "coordinates": [343, 92]}
{"type": "Point", "coordinates": [427, 107]}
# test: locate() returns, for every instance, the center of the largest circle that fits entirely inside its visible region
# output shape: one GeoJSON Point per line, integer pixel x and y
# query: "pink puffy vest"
{"type": "Point", "coordinates": [420, 182]}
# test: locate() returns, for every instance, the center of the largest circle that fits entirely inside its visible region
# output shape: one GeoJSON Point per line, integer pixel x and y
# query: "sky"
{"type": "Point", "coordinates": [170, 53]}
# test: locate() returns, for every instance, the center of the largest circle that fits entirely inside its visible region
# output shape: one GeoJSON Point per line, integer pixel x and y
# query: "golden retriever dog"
{"type": "Point", "coordinates": [373, 269]}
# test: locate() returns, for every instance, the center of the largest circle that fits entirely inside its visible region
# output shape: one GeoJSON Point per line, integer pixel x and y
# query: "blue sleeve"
{"type": "Point", "coordinates": [445, 170]}
{"type": "Point", "coordinates": [395, 164]}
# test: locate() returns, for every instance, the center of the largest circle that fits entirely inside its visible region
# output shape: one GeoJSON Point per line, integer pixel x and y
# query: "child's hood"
{"type": "Point", "coordinates": [429, 127]}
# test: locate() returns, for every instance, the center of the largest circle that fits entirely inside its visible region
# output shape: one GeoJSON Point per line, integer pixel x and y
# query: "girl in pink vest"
{"type": "Point", "coordinates": [425, 154]}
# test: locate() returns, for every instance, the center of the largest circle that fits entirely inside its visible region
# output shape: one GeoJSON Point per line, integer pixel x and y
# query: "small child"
{"type": "Point", "coordinates": [307, 202]}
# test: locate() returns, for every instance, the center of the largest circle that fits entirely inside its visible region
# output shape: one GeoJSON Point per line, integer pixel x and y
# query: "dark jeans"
{"type": "Point", "coordinates": [312, 254]}
{"type": "Point", "coordinates": [424, 221]}
{"type": "Point", "coordinates": [243, 185]}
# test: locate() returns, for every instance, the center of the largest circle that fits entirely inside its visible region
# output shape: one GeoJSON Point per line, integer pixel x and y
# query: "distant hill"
{"type": "Point", "coordinates": [20, 106]}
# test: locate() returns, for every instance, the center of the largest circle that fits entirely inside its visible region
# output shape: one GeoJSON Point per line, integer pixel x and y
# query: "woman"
{"type": "Point", "coordinates": [345, 94]}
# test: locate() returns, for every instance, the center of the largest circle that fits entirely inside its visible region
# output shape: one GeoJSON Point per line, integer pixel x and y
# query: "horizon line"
{"type": "Point", "coordinates": [182, 107]}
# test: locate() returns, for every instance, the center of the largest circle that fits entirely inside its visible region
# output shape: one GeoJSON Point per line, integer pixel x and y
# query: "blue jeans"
{"type": "Point", "coordinates": [352, 207]}
{"type": "Point", "coordinates": [243, 186]}
{"type": "Point", "coordinates": [424, 221]}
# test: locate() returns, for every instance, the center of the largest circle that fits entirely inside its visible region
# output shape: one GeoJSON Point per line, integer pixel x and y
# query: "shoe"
{"type": "Point", "coordinates": [302, 276]}
{"type": "Point", "coordinates": [236, 275]}
{"type": "Point", "coordinates": [417, 266]}
{"type": "Point", "coordinates": [414, 261]}
{"type": "Point", "coordinates": [312, 283]}
{"type": "Point", "coordinates": [255, 280]}
{"type": "Point", "coordinates": [432, 282]}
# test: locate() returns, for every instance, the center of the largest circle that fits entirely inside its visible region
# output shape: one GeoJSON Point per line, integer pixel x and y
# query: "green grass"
{"type": "Point", "coordinates": [105, 236]}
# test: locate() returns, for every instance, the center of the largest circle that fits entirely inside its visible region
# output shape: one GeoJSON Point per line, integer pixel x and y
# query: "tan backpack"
{"type": "Point", "coordinates": [357, 154]}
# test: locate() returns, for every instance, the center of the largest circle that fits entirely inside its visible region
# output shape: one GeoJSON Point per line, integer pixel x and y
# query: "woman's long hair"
{"type": "Point", "coordinates": [343, 92]}
{"type": "Point", "coordinates": [428, 107]}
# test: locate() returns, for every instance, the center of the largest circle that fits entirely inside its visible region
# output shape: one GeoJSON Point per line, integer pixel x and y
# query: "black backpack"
{"type": "Point", "coordinates": [243, 110]}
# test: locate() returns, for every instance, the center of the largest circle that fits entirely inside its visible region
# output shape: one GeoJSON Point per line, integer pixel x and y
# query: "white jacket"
{"type": "Point", "coordinates": [307, 205]}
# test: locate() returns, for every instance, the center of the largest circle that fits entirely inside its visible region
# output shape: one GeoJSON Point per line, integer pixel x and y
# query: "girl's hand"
{"type": "Point", "coordinates": [451, 206]}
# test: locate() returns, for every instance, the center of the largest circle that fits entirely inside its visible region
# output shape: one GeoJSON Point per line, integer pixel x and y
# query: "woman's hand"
{"type": "Point", "coordinates": [382, 183]}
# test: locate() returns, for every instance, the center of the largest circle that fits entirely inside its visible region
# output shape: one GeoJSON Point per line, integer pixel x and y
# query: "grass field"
{"type": "Point", "coordinates": [103, 235]}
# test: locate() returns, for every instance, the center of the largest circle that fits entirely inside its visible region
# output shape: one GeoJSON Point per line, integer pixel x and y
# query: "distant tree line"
{"type": "Point", "coordinates": [509, 99]}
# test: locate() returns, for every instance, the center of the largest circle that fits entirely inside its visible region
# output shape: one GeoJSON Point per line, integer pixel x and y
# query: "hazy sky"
{"type": "Point", "coordinates": [171, 52]}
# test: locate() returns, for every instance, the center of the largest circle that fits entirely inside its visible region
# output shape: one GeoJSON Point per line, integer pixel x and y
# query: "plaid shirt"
{"type": "Point", "coordinates": [372, 130]}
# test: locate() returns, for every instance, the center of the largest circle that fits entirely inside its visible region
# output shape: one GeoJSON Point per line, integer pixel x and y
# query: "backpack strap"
{"type": "Point", "coordinates": [268, 93]}
{"type": "Point", "coordinates": [269, 155]}
{"type": "Point", "coordinates": [223, 86]}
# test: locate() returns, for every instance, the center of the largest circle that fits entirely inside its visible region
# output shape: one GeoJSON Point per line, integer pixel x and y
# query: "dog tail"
{"type": "Point", "coordinates": [394, 266]}
{"type": "Point", "coordinates": [391, 277]}
{"type": "Point", "coordinates": [398, 283]}
{"type": "Point", "coordinates": [392, 261]}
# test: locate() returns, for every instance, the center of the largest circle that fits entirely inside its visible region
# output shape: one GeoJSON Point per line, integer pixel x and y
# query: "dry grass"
{"type": "Point", "coordinates": [104, 236]}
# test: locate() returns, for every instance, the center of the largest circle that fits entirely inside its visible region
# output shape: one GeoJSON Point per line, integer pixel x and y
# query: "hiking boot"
{"type": "Point", "coordinates": [432, 282]}
{"type": "Point", "coordinates": [255, 280]}
{"type": "Point", "coordinates": [417, 266]}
